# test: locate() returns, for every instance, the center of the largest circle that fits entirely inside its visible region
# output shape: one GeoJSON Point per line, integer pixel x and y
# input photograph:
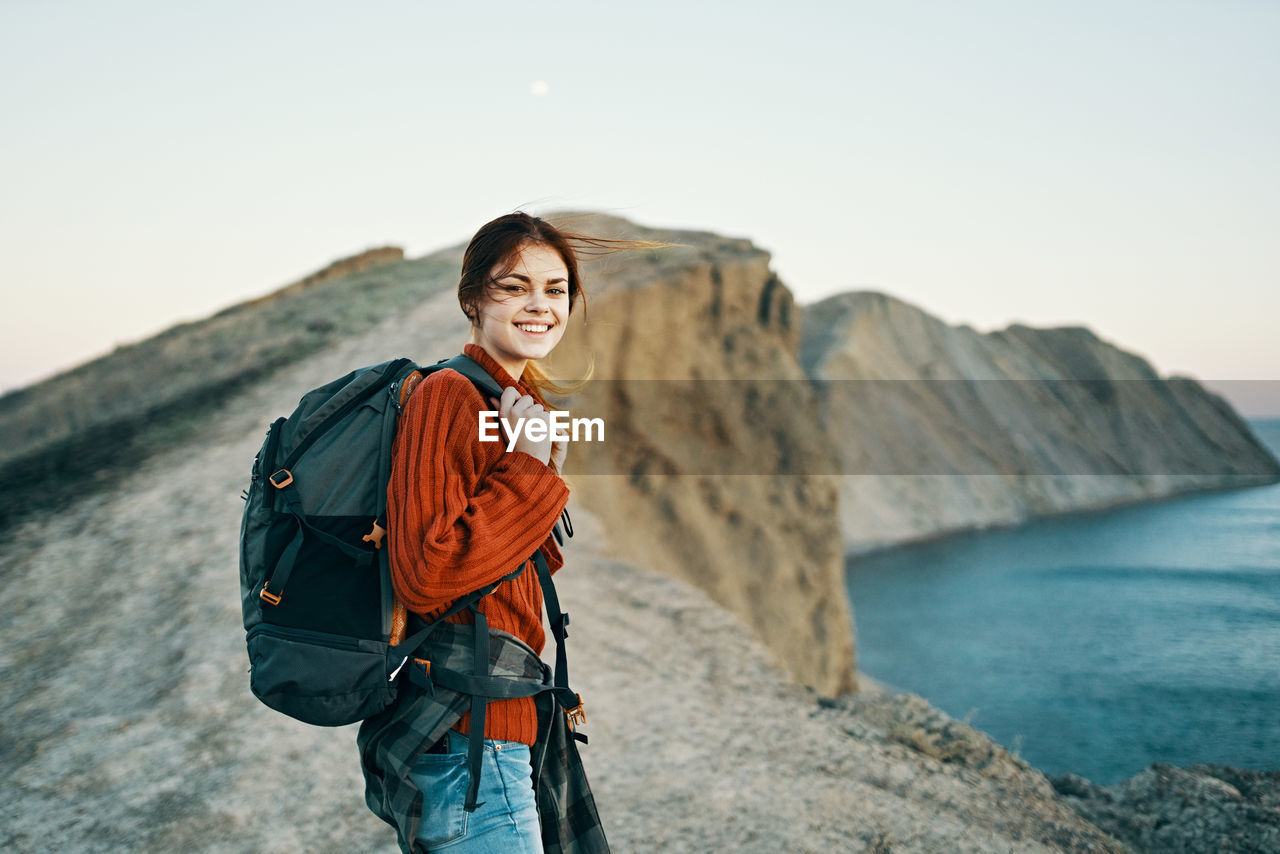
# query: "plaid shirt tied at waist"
{"type": "Point", "coordinates": [434, 698]}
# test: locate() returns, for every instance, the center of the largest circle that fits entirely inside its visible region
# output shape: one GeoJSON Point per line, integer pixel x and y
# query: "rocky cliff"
{"type": "Point", "coordinates": [940, 428]}
{"type": "Point", "coordinates": [126, 721]}
{"type": "Point", "coordinates": [708, 417]}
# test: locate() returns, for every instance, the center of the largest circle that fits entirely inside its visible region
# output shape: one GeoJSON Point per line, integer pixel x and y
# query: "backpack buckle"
{"type": "Point", "coordinates": [577, 715]}
{"type": "Point", "coordinates": [269, 597]}
{"type": "Point", "coordinates": [283, 482]}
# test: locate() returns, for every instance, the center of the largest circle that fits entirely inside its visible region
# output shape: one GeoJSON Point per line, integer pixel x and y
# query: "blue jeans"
{"type": "Point", "coordinates": [507, 820]}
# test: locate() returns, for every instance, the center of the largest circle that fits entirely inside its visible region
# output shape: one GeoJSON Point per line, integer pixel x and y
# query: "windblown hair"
{"type": "Point", "coordinates": [497, 244]}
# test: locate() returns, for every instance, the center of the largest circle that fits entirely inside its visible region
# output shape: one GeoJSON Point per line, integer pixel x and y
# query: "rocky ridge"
{"type": "Point", "coordinates": [941, 428]}
{"type": "Point", "coordinates": [358, 263]}
{"type": "Point", "coordinates": [127, 696]}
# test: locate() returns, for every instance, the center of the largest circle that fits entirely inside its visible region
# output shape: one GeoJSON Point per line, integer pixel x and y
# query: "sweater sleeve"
{"type": "Point", "coordinates": [551, 552]}
{"type": "Point", "coordinates": [458, 519]}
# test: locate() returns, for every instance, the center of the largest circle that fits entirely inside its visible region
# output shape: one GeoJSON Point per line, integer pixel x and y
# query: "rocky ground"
{"type": "Point", "coordinates": [1197, 808]}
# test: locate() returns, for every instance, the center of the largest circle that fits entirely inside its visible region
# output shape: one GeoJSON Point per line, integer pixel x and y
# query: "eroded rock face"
{"type": "Point", "coordinates": [947, 428]}
{"type": "Point", "coordinates": [708, 418]}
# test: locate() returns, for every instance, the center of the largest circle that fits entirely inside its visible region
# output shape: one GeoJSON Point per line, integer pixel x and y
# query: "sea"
{"type": "Point", "coordinates": [1094, 643]}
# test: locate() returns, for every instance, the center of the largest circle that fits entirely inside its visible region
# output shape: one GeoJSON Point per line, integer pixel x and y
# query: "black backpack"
{"type": "Point", "coordinates": [315, 584]}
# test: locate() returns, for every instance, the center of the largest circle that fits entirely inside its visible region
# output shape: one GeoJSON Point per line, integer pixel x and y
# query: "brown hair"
{"type": "Point", "coordinates": [498, 243]}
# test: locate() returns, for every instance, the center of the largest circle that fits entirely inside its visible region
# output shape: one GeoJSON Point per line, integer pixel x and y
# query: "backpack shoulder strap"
{"type": "Point", "coordinates": [472, 370]}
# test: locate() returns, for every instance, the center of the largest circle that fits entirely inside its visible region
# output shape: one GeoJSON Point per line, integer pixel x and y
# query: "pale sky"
{"type": "Point", "coordinates": [1112, 164]}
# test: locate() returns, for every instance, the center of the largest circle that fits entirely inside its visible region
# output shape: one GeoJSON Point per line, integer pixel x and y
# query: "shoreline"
{"type": "Point", "coordinates": [854, 553]}
{"type": "Point", "coordinates": [875, 686]}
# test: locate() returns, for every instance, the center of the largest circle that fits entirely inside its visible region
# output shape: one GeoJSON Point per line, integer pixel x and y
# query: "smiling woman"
{"type": "Point", "coordinates": [462, 513]}
{"type": "Point", "coordinates": [527, 308]}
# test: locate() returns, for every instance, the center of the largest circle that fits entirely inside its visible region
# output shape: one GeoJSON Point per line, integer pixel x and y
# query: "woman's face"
{"type": "Point", "coordinates": [523, 315]}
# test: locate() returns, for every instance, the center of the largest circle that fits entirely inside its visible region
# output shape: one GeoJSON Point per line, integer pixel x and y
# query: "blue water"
{"type": "Point", "coordinates": [1094, 643]}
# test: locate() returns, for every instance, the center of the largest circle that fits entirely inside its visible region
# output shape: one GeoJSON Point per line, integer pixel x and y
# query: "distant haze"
{"type": "Point", "coordinates": [1111, 165]}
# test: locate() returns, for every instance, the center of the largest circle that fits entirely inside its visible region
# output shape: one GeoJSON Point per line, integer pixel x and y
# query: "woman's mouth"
{"type": "Point", "coordinates": [535, 330]}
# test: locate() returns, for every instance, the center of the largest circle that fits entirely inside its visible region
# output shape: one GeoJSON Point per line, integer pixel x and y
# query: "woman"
{"type": "Point", "coordinates": [463, 514]}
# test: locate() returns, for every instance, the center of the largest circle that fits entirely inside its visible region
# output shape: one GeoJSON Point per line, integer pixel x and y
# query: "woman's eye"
{"type": "Point", "coordinates": [556, 291]}
{"type": "Point", "coordinates": [512, 289]}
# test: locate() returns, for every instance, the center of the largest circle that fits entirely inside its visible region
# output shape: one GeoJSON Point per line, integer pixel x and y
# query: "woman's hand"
{"type": "Point", "coordinates": [513, 406]}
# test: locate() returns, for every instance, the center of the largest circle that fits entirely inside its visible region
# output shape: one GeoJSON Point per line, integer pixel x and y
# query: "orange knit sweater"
{"type": "Point", "coordinates": [462, 513]}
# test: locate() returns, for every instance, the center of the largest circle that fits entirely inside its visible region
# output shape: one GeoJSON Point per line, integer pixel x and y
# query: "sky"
{"type": "Point", "coordinates": [1110, 164]}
